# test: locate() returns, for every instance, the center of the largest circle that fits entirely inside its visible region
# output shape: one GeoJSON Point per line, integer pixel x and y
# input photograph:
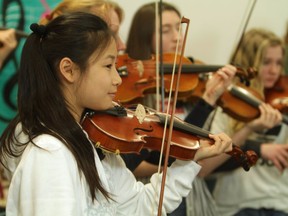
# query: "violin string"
{"type": "Point", "coordinates": [169, 99]}
{"type": "Point", "coordinates": [157, 32]}
{"type": "Point", "coordinates": [157, 53]}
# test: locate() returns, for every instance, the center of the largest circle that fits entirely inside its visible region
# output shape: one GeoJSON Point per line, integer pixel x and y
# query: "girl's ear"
{"type": "Point", "coordinates": [69, 70]}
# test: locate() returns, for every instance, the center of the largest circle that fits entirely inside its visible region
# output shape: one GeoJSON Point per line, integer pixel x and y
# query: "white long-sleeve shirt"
{"type": "Point", "coordinates": [46, 181]}
{"type": "Point", "coordinates": [263, 186]}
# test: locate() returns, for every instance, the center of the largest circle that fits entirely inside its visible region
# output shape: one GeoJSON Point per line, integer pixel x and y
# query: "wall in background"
{"type": "Point", "coordinates": [215, 26]}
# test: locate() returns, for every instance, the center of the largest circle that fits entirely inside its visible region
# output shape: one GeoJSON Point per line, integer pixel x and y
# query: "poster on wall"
{"type": "Point", "coordinates": [17, 14]}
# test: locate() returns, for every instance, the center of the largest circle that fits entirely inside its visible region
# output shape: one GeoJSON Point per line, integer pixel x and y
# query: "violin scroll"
{"type": "Point", "coordinates": [245, 159]}
{"type": "Point", "coordinates": [246, 74]}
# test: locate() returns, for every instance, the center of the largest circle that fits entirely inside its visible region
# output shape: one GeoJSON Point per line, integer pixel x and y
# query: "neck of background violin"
{"type": "Point", "coordinates": [184, 127]}
{"type": "Point", "coordinates": [191, 68]}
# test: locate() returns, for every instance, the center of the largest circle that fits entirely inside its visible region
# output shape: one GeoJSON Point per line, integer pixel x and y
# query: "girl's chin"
{"type": "Point", "coordinates": [269, 85]}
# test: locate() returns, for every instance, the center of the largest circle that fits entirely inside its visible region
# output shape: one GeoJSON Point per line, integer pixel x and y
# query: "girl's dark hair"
{"type": "Point", "coordinates": [42, 106]}
{"type": "Point", "coordinates": [139, 43]}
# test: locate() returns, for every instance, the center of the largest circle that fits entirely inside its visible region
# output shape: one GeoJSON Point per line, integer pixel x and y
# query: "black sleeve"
{"type": "Point", "coordinates": [132, 161]}
{"type": "Point", "coordinates": [199, 113]}
{"type": "Point", "coordinates": [253, 145]}
{"type": "Point", "coordinates": [154, 158]}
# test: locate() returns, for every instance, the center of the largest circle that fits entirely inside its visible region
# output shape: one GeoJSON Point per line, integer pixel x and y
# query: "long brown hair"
{"type": "Point", "coordinates": [140, 37]}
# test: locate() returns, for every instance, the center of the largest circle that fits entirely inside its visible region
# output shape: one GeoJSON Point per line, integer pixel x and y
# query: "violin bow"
{"type": "Point", "coordinates": [243, 31]}
{"type": "Point", "coordinates": [159, 57]}
{"type": "Point", "coordinates": [165, 166]}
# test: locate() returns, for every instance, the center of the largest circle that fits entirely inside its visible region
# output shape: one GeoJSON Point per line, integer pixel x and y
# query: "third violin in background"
{"type": "Point", "coordinates": [139, 76]}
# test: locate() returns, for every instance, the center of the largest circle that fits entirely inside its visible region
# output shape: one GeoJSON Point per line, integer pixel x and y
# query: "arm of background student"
{"type": "Point", "coordinates": [8, 43]}
{"type": "Point", "coordinates": [219, 82]}
{"type": "Point", "coordinates": [269, 118]}
{"type": "Point", "coordinates": [277, 153]}
{"type": "Point", "coordinates": [214, 88]}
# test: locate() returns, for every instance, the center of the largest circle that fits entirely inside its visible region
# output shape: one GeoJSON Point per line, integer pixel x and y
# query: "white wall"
{"type": "Point", "coordinates": [216, 25]}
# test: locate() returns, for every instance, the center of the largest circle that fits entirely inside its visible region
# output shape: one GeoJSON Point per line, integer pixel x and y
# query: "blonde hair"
{"type": "Point", "coordinates": [286, 35]}
{"type": "Point", "coordinates": [98, 7]}
{"type": "Point", "coordinates": [252, 51]}
{"type": "Point", "coordinates": [251, 54]}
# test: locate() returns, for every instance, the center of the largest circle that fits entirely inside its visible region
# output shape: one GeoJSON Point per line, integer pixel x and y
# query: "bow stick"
{"type": "Point", "coordinates": [243, 30]}
{"type": "Point", "coordinates": [164, 171]}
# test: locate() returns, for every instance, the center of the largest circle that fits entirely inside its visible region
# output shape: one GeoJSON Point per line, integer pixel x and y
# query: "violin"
{"type": "Point", "coordinates": [241, 103]}
{"type": "Point", "coordinates": [277, 96]}
{"type": "Point", "coordinates": [139, 77]}
{"type": "Point", "coordinates": [244, 77]}
{"type": "Point", "coordinates": [131, 131]}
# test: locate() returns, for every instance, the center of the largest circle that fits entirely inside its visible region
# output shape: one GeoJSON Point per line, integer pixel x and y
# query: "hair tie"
{"type": "Point", "coordinates": [48, 16]}
{"type": "Point", "coordinates": [38, 29]}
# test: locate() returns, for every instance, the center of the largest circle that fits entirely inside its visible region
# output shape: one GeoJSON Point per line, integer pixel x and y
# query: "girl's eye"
{"type": "Point", "coordinates": [266, 61]}
{"type": "Point", "coordinates": [280, 63]}
{"type": "Point", "coordinates": [109, 66]}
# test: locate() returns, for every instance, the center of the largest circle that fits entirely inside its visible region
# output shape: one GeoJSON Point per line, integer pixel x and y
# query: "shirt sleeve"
{"type": "Point", "coordinates": [46, 182]}
{"type": "Point", "coordinates": [199, 113]}
{"type": "Point", "coordinates": [135, 198]}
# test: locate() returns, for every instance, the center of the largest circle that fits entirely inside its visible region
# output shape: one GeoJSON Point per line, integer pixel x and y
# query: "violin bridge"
{"type": "Point", "coordinates": [97, 144]}
{"type": "Point", "coordinates": [139, 67]}
{"type": "Point", "coordinates": [140, 113]}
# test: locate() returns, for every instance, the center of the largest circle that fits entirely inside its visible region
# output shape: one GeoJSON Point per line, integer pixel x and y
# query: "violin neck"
{"type": "Point", "coordinates": [241, 157]}
{"type": "Point", "coordinates": [246, 96]}
{"type": "Point", "coordinates": [191, 68]}
{"type": "Point", "coordinates": [185, 127]}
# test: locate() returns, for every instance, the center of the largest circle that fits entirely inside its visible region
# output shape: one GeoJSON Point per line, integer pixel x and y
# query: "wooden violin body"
{"type": "Point", "coordinates": [242, 103]}
{"type": "Point", "coordinates": [120, 130]}
{"type": "Point", "coordinates": [139, 78]}
{"type": "Point", "coordinates": [236, 103]}
{"type": "Point", "coordinates": [278, 95]}
{"type": "Point", "coordinates": [126, 134]}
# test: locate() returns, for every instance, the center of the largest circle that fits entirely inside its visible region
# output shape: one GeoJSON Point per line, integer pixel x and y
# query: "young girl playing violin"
{"type": "Point", "coordinates": [68, 66]}
{"type": "Point", "coordinates": [263, 190]}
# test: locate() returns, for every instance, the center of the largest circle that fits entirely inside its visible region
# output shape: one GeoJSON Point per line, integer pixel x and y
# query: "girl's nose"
{"type": "Point", "coordinates": [275, 68]}
{"type": "Point", "coordinates": [117, 80]}
{"type": "Point", "coordinates": [121, 46]}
